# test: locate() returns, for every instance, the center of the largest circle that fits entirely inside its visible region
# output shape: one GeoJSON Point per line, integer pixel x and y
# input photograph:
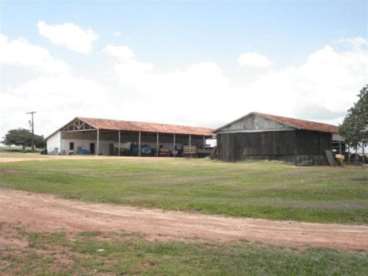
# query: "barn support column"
{"type": "Point", "coordinates": [340, 147]}
{"type": "Point", "coordinates": [157, 144]}
{"type": "Point", "coordinates": [204, 141]}
{"type": "Point", "coordinates": [295, 149]}
{"type": "Point", "coordinates": [139, 143]}
{"type": "Point", "coordinates": [97, 151]}
{"type": "Point", "coordinates": [190, 145]}
{"type": "Point", "coordinates": [174, 144]}
{"type": "Point", "coordinates": [119, 138]}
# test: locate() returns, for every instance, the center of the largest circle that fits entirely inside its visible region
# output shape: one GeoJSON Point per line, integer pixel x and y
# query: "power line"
{"type": "Point", "coordinates": [32, 127]}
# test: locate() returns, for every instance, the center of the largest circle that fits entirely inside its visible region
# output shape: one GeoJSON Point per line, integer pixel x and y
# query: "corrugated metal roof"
{"type": "Point", "coordinates": [146, 127]}
{"type": "Point", "coordinates": [291, 122]}
{"type": "Point", "coordinates": [301, 124]}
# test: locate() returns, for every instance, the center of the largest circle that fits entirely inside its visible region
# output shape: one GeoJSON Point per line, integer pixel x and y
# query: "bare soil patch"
{"type": "Point", "coordinates": [9, 237]}
{"type": "Point", "coordinates": [7, 171]}
{"type": "Point", "coordinates": [46, 213]}
{"type": "Point", "coordinates": [20, 158]}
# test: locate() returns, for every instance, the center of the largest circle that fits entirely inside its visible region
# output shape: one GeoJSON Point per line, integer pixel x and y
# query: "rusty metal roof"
{"type": "Point", "coordinates": [291, 122]}
{"type": "Point", "coordinates": [146, 127]}
{"type": "Point", "coordinates": [301, 124]}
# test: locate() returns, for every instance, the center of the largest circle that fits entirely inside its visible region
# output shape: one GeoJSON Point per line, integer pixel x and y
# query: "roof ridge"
{"type": "Point", "coordinates": [291, 122]}
{"type": "Point", "coordinates": [291, 118]}
{"type": "Point", "coordinates": [142, 122]}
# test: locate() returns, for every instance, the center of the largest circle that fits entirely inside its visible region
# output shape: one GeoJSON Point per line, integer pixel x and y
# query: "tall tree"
{"type": "Point", "coordinates": [356, 121]}
{"type": "Point", "coordinates": [23, 137]}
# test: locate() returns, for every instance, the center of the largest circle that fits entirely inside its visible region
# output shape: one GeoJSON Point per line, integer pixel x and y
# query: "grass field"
{"type": "Point", "coordinates": [256, 189]}
{"type": "Point", "coordinates": [91, 253]}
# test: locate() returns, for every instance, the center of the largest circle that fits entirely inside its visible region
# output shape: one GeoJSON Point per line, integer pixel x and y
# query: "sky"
{"type": "Point", "coordinates": [200, 63]}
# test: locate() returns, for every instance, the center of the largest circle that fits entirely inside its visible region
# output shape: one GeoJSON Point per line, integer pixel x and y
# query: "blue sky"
{"type": "Point", "coordinates": [182, 31]}
{"type": "Point", "coordinates": [177, 36]}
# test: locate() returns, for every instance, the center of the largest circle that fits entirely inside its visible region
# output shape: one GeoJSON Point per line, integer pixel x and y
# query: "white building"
{"type": "Point", "coordinates": [114, 137]}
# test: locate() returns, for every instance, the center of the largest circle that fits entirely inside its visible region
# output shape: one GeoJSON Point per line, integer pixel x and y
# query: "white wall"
{"type": "Point", "coordinates": [53, 143]}
{"type": "Point", "coordinates": [84, 144]}
{"type": "Point", "coordinates": [56, 145]}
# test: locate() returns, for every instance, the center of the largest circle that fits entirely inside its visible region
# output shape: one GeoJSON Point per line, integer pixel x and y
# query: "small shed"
{"type": "Point", "coordinates": [265, 136]}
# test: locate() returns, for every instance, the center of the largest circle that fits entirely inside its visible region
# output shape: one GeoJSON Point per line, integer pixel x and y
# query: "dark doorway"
{"type": "Point", "coordinates": [92, 148]}
{"type": "Point", "coordinates": [111, 149]}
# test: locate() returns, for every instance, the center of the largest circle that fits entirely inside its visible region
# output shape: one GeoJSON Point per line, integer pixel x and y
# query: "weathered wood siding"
{"type": "Point", "coordinates": [313, 143]}
{"type": "Point", "coordinates": [239, 146]}
{"type": "Point", "coordinates": [297, 146]}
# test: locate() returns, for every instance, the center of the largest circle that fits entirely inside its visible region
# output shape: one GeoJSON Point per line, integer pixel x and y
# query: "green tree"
{"type": "Point", "coordinates": [356, 121]}
{"type": "Point", "coordinates": [23, 137]}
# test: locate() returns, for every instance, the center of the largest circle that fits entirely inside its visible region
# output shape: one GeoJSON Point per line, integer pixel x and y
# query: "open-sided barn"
{"type": "Point", "coordinates": [115, 137]}
{"type": "Point", "coordinates": [265, 136]}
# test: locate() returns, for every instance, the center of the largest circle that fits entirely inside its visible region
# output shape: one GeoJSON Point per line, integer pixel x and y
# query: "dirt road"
{"type": "Point", "coordinates": [41, 212]}
{"type": "Point", "coordinates": [10, 158]}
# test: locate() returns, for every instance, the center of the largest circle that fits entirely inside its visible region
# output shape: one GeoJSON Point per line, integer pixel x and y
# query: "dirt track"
{"type": "Point", "coordinates": [38, 157]}
{"type": "Point", "coordinates": [40, 212]}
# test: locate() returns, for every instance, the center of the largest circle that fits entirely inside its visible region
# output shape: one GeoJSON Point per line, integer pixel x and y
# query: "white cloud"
{"type": "Point", "coordinates": [56, 98]}
{"type": "Point", "coordinates": [324, 86]}
{"type": "Point", "coordinates": [121, 52]}
{"type": "Point", "coordinates": [127, 67]}
{"type": "Point", "coordinates": [21, 53]}
{"type": "Point", "coordinates": [254, 60]}
{"type": "Point", "coordinates": [356, 42]}
{"type": "Point", "coordinates": [332, 77]}
{"type": "Point", "coordinates": [69, 35]}
{"type": "Point", "coordinates": [321, 88]}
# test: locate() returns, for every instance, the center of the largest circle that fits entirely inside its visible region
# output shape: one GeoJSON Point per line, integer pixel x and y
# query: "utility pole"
{"type": "Point", "coordinates": [32, 127]}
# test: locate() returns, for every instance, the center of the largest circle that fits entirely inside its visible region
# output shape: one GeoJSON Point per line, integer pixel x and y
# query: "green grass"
{"type": "Point", "coordinates": [256, 189]}
{"type": "Point", "coordinates": [123, 254]}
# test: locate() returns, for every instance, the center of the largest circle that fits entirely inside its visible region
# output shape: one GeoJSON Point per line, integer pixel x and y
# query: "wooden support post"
{"type": "Point", "coordinates": [340, 148]}
{"type": "Point", "coordinates": [97, 151]}
{"type": "Point", "coordinates": [157, 144]}
{"type": "Point", "coordinates": [174, 144]}
{"type": "Point", "coordinates": [139, 143]}
{"type": "Point", "coordinates": [190, 145]}
{"type": "Point", "coordinates": [204, 141]}
{"type": "Point", "coordinates": [119, 138]}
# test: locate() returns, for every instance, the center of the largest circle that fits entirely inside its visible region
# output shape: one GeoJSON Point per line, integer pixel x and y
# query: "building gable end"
{"type": "Point", "coordinates": [77, 125]}
{"type": "Point", "coordinates": [254, 123]}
